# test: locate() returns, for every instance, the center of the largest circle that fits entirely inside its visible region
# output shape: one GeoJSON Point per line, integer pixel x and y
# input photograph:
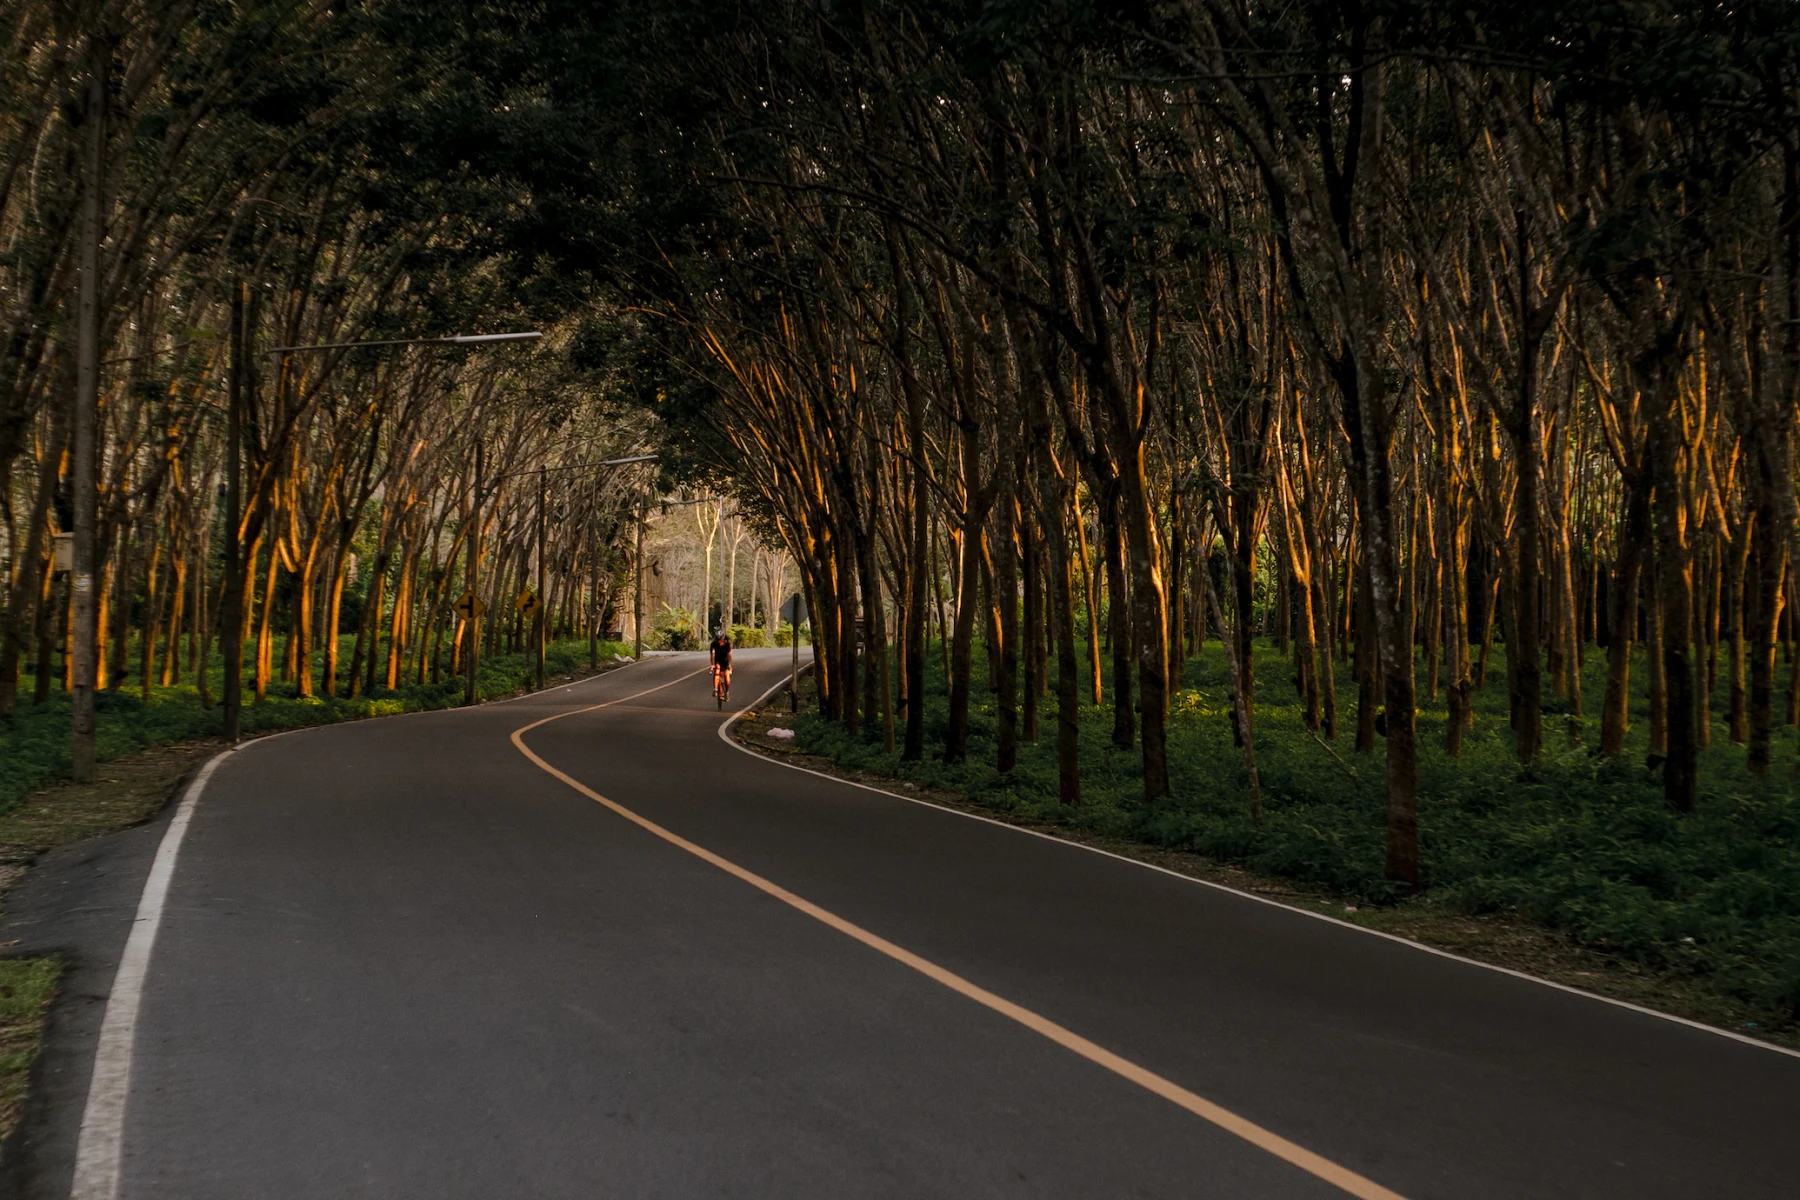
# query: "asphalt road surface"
{"type": "Point", "coordinates": [614, 956]}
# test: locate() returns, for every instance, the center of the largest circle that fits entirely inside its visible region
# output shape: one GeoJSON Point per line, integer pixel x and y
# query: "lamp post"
{"type": "Point", "coordinates": [232, 609]}
{"type": "Point", "coordinates": [472, 651]}
{"type": "Point", "coordinates": [637, 570]}
{"type": "Point", "coordinates": [637, 574]}
{"type": "Point", "coordinates": [637, 563]}
{"type": "Point", "coordinates": [83, 595]}
{"type": "Point", "coordinates": [541, 613]}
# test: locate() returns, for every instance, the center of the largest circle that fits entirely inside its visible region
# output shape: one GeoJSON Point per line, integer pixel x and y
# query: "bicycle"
{"type": "Point", "coordinates": [721, 686]}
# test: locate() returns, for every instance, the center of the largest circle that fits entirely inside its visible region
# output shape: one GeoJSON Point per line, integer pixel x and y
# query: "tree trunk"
{"type": "Point", "coordinates": [1118, 628]}
{"type": "Point", "coordinates": [1006, 604]}
{"type": "Point", "coordinates": [32, 566]}
{"type": "Point", "coordinates": [1615, 713]}
{"type": "Point", "coordinates": [1674, 585]}
{"type": "Point", "coordinates": [1034, 626]}
{"type": "Point", "coordinates": [1366, 665]}
{"type": "Point", "coordinates": [1765, 618]}
{"type": "Point", "coordinates": [1150, 622]}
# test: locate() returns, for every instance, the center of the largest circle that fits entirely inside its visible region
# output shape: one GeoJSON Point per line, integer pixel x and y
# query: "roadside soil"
{"type": "Point", "coordinates": [1511, 942]}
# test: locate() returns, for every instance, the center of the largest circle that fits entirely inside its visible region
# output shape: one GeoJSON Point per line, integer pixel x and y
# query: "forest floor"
{"type": "Point", "coordinates": [1573, 870]}
{"type": "Point", "coordinates": [142, 768]}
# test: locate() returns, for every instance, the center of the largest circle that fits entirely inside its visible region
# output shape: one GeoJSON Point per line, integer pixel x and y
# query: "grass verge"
{"type": "Point", "coordinates": [1512, 938]}
{"type": "Point", "coordinates": [27, 986]}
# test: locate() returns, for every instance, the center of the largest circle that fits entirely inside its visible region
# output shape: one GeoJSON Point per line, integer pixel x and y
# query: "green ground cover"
{"type": "Point", "coordinates": [27, 987]}
{"type": "Point", "coordinates": [1576, 842]}
{"type": "Point", "coordinates": [34, 742]}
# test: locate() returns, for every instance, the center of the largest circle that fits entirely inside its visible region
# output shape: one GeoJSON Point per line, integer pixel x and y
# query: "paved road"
{"type": "Point", "coordinates": [400, 959]}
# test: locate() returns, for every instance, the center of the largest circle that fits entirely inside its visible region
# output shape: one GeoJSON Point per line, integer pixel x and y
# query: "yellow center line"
{"type": "Point", "coordinates": [1313, 1164]}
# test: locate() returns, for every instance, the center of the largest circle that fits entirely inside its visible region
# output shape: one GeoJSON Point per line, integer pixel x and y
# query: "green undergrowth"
{"type": "Point", "coordinates": [27, 986]}
{"type": "Point", "coordinates": [34, 741]}
{"type": "Point", "coordinates": [1576, 842]}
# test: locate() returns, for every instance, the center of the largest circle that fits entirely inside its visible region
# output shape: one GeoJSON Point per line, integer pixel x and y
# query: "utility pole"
{"type": "Point", "coordinates": [724, 605]}
{"type": "Point", "coordinates": [87, 405]}
{"type": "Point", "coordinates": [543, 610]}
{"type": "Point", "coordinates": [593, 623]}
{"type": "Point", "coordinates": [472, 652]}
{"type": "Point", "coordinates": [637, 612]}
{"type": "Point", "coordinates": [231, 608]}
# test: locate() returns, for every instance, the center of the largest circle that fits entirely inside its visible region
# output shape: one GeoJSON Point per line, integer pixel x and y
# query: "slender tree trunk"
{"type": "Point", "coordinates": [1674, 585]}
{"type": "Point", "coordinates": [1766, 593]}
{"type": "Point", "coordinates": [1245, 510]}
{"type": "Point", "coordinates": [52, 602]}
{"type": "Point", "coordinates": [1118, 628]}
{"type": "Point", "coordinates": [1150, 623]}
{"type": "Point", "coordinates": [334, 610]}
{"type": "Point", "coordinates": [962, 656]}
{"type": "Point", "coordinates": [1068, 683]}
{"type": "Point", "coordinates": [302, 636]}
{"type": "Point", "coordinates": [1033, 620]}
{"type": "Point", "coordinates": [265, 629]}
{"type": "Point", "coordinates": [1615, 712]}
{"type": "Point", "coordinates": [968, 596]}
{"type": "Point", "coordinates": [1006, 603]}
{"type": "Point", "coordinates": [1090, 596]}
{"type": "Point", "coordinates": [1659, 695]}
{"type": "Point", "coordinates": [1734, 604]}
{"type": "Point", "coordinates": [1460, 690]}
{"type": "Point", "coordinates": [1327, 660]}
{"type": "Point", "coordinates": [1239, 707]}
{"type": "Point", "coordinates": [171, 658]}
{"type": "Point", "coordinates": [1524, 634]}
{"type": "Point", "coordinates": [1366, 664]}
{"type": "Point", "coordinates": [27, 598]}
{"type": "Point", "coordinates": [155, 598]}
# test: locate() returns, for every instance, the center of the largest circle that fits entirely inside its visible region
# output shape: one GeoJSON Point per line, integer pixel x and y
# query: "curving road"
{"type": "Point", "coordinates": [612, 955]}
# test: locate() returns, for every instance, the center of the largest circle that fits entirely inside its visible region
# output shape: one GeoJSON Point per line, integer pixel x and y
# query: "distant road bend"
{"type": "Point", "coordinates": [578, 945]}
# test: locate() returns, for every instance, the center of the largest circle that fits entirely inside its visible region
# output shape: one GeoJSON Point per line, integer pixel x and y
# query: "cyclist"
{"type": "Point", "coordinates": [721, 660]}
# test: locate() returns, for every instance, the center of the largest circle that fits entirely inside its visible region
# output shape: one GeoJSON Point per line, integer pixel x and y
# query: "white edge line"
{"type": "Point", "coordinates": [726, 737]}
{"type": "Point", "coordinates": [99, 1147]}
{"type": "Point", "coordinates": [98, 1150]}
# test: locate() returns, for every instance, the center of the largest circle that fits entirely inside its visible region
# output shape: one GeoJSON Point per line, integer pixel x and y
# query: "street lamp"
{"type": "Point", "coordinates": [637, 566]}
{"type": "Point", "coordinates": [542, 638]}
{"type": "Point", "coordinates": [231, 615]}
{"type": "Point", "coordinates": [637, 580]}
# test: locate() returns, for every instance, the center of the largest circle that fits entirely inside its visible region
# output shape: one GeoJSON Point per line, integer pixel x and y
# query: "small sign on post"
{"type": "Point", "coordinates": [527, 603]}
{"type": "Point", "coordinates": [468, 607]}
{"type": "Point", "coordinates": [63, 560]}
{"type": "Point", "coordinates": [794, 612]}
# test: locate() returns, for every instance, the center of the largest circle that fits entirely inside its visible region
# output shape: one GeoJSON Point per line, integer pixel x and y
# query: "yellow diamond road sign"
{"type": "Point", "coordinates": [468, 607]}
{"type": "Point", "coordinates": [527, 602]}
